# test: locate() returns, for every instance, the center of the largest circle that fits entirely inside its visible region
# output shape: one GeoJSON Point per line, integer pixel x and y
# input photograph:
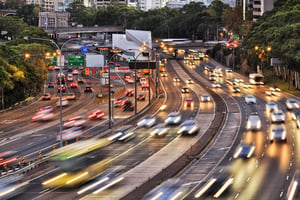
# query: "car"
{"type": "Point", "coordinates": [228, 70]}
{"type": "Point", "coordinates": [75, 72]}
{"type": "Point", "coordinates": [70, 77]}
{"type": "Point", "coordinates": [129, 93]}
{"type": "Point", "coordinates": [141, 97]}
{"type": "Point", "coordinates": [44, 114]}
{"type": "Point", "coordinates": [62, 87]}
{"type": "Point", "coordinates": [173, 118]}
{"type": "Point", "coordinates": [205, 98]}
{"type": "Point", "coordinates": [188, 127]}
{"type": "Point", "coordinates": [77, 121]}
{"type": "Point", "coordinates": [278, 116]}
{"type": "Point", "coordinates": [128, 106]}
{"type": "Point", "coordinates": [273, 91]}
{"type": "Point", "coordinates": [250, 99]}
{"type": "Point", "coordinates": [119, 102]}
{"type": "Point", "coordinates": [71, 96]}
{"type": "Point", "coordinates": [70, 134]}
{"type": "Point", "coordinates": [130, 81]}
{"type": "Point", "coordinates": [271, 107]}
{"type": "Point", "coordinates": [97, 114]}
{"type": "Point", "coordinates": [253, 122]}
{"type": "Point", "coordinates": [189, 102]}
{"type": "Point", "coordinates": [191, 62]}
{"type": "Point", "coordinates": [298, 121]}
{"type": "Point", "coordinates": [146, 122]}
{"type": "Point", "coordinates": [80, 67]}
{"type": "Point", "coordinates": [111, 62]}
{"type": "Point", "coordinates": [216, 85]}
{"type": "Point", "coordinates": [244, 151]}
{"type": "Point", "coordinates": [277, 133]}
{"type": "Point", "coordinates": [238, 80]}
{"type": "Point", "coordinates": [212, 77]}
{"type": "Point", "coordinates": [236, 89]}
{"type": "Point", "coordinates": [293, 190]}
{"type": "Point", "coordinates": [247, 85]}
{"type": "Point", "coordinates": [60, 74]}
{"type": "Point", "coordinates": [159, 130]}
{"type": "Point", "coordinates": [46, 96]}
{"type": "Point", "coordinates": [163, 74]}
{"type": "Point", "coordinates": [73, 85]}
{"type": "Point", "coordinates": [50, 85]}
{"type": "Point", "coordinates": [230, 82]}
{"type": "Point", "coordinates": [63, 81]}
{"type": "Point", "coordinates": [218, 74]}
{"type": "Point", "coordinates": [185, 89]}
{"type": "Point", "coordinates": [295, 114]}
{"type": "Point", "coordinates": [291, 104]}
{"type": "Point", "coordinates": [124, 133]}
{"type": "Point", "coordinates": [142, 80]}
{"type": "Point", "coordinates": [189, 81]}
{"type": "Point", "coordinates": [176, 79]}
{"type": "Point", "coordinates": [80, 80]}
{"type": "Point", "coordinates": [88, 89]}
{"type": "Point", "coordinates": [144, 85]}
{"type": "Point", "coordinates": [64, 102]}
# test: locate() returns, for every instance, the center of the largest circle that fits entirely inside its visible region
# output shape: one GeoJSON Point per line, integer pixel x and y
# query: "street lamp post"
{"type": "Point", "coordinates": [262, 53]}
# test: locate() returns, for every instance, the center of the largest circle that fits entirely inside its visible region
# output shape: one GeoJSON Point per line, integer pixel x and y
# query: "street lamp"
{"type": "Point", "coordinates": [262, 54]}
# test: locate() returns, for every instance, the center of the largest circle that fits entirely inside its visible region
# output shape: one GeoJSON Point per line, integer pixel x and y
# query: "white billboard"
{"type": "Point", "coordinates": [94, 60]}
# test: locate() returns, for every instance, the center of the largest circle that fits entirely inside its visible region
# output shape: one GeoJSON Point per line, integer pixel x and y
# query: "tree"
{"type": "Point", "coordinates": [29, 13]}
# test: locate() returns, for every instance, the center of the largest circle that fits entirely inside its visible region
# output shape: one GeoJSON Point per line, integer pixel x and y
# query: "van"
{"type": "Point", "coordinates": [254, 122]}
{"type": "Point", "coordinates": [70, 77]}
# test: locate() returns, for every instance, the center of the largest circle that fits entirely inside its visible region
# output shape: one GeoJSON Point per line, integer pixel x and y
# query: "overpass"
{"type": "Point", "coordinates": [8, 12]}
{"type": "Point", "coordinates": [86, 30]}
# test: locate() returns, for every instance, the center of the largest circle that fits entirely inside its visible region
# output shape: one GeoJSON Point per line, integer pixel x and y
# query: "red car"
{"type": "Point", "coordinates": [73, 85]}
{"type": "Point", "coordinates": [129, 93]}
{"type": "Point", "coordinates": [140, 97]}
{"type": "Point", "coordinates": [98, 114]}
{"type": "Point", "coordinates": [120, 101]}
{"type": "Point", "coordinates": [189, 102]}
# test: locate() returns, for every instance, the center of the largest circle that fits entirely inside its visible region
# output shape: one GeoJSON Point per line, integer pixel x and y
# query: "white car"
{"type": "Point", "coordinates": [238, 80]}
{"type": "Point", "coordinates": [278, 116]}
{"type": "Point", "coordinates": [146, 122]}
{"type": "Point", "coordinates": [254, 122]}
{"type": "Point", "coordinates": [271, 106]}
{"type": "Point", "coordinates": [70, 134]}
{"type": "Point", "coordinates": [44, 114]}
{"type": "Point", "coordinates": [64, 102]}
{"type": "Point", "coordinates": [291, 104]}
{"type": "Point", "coordinates": [250, 99]}
{"type": "Point", "coordinates": [278, 133]}
{"type": "Point", "coordinates": [205, 98]}
{"type": "Point", "coordinates": [228, 70]}
{"type": "Point", "coordinates": [77, 121]}
{"type": "Point", "coordinates": [189, 81]}
{"type": "Point", "coordinates": [247, 86]}
{"type": "Point", "coordinates": [216, 85]}
{"type": "Point", "coordinates": [159, 130]}
{"type": "Point", "coordinates": [188, 127]}
{"type": "Point", "coordinates": [124, 133]}
{"type": "Point", "coordinates": [173, 118]}
{"type": "Point", "coordinates": [176, 79]}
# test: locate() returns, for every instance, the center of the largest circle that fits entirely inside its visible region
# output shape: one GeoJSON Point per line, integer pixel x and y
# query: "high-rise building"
{"type": "Point", "coordinates": [261, 6]}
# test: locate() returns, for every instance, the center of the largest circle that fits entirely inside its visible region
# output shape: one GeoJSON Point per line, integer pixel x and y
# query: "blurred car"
{"type": "Point", "coordinates": [173, 118]}
{"type": "Point", "coordinates": [230, 82]}
{"type": "Point", "coordinates": [219, 74]}
{"type": "Point", "coordinates": [238, 80]}
{"type": "Point", "coordinates": [271, 107]}
{"type": "Point", "coordinates": [141, 97]}
{"type": "Point", "coordinates": [185, 89]}
{"type": "Point", "coordinates": [128, 106]}
{"type": "Point", "coordinates": [189, 102]}
{"type": "Point", "coordinates": [70, 134]}
{"type": "Point", "coordinates": [80, 80]}
{"type": "Point", "coordinates": [146, 122]}
{"type": "Point", "coordinates": [88, 89]}
{"type": "Point", "coordinates": [80, 67]}
{"type": "Point", "coordinates": [295, 114]}
{"type": "Point", "coordinates": [250, 99]}
{"type": "Point", "coordinates": [46, 96]}
{"type": "Point", "coordinates": [74, 121]}
{"type": "Point", "coordinates": [144, 85]}
{"type": "Point", "coordinates": [188, 127]}
{"type": "Point", "coordinates": [159, 130]}
{"type": "Point", "coordinates": [278, 116]}
{"type": "Point", "coordinates": [97, 114]}
{"type": "Point", "coordinates": [50, 85]}
{"type": "Point", "coordinates": [163, 74]}
{"type": "Point", "coordinates": [189, 81]}
{"type": "Point", "coordinates": [228, 70]}
{"type": "Point", "coordinates": [63, 81]}
{"type": "Point", "coordinates": [70, 77]}
{"type": "Point", "coordinates": [176, 79]}
{"type": "Point", "coordinates": [277, 133]}
{"type": "Point", "coordinates": [273, 91]}
{"type": "Point", "coordinates": [75, 72]}
{"type": "Point", "coordinates": [44, 114]}
{"type": "Point", "coordinates": [73, 85]}
{"type": "Point", "coordinates": [64, 102]}
{"type": "Point", "coordinates": [254, 122]}
{"type": "Point", "coordinates": [212, 77]}
{"type": "Point", "coordinates": [236, 89]}
{"type": "Point", "coordinates": [130, 81]}
{"type": "Point", "coordinates": [293, 192]}
{"type": "Point", "coordinates": [119, 102]}
{"type": "Point", "coordinates": [216, 85]}
{"type": "Point", "coordinates": [129, 93]}
{"type": "Point", "coordinates": [205, 98]}
{"type": "Point", "coordinates": [291, 104]}
{"type": "Point", "coordinates": [13, 185]}
{"type": "Point", "coordinates": [247, 85]}
{"type": "Point", "coordinates": [244, 151]}
{"type": "Point", "coordinates": [62, 87]}
{"type": "Point", "coordinates": [71, 96]}
{"type": "Point", "coordinates": [123, 133]}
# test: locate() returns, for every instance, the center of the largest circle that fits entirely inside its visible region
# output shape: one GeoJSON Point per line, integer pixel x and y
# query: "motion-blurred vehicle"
{"type": "Point", "coordinates": [273, 91]}
{"type": "Point", "coordinates": [97, 114]}
{"type": "Point", "coordinates": [159, 130]}
{"type": "Point", "coordinates": [189, 102]}
{"type": "Point", "coordinates": [130, 81]}
{"type": "Point", "coordinates": [123, 133]}
{"type": "Point", "coordinates": [119, 102]}
{"type": "Point", "coordinates": [74, 85]}
{"type": "Point", "coordinates": [277, 133]}
{"type": "Point", "coordinates": [88, 89]}
{"type": "Point", "coordinates": [291, 104]}
{"type": "Point", "coordinates": [44, 114]}
{"type": "Point", "coordinates": [62, 87]}
{"type": "Point", "coordinates": [295, 114]}
{"type": "Point", "coordinates": [70, 134]}
{"type": "Point", "coordinates": [129, 93]}
{"type": "Point", "coordinates": [254, 122]}
{"type": "Point", "coordinates": [236, 89]}
{"type": "Point", "coordinates": [188, 127]}
{"type": "Point", "coordinates": [77, 121]}
{"type": "Point", "coordinates": [173, 118]}
{"type": "Point", "coordinates": [146, 122]}
{"type": "Point", "coordinates": [163, 74]}
{"type": "Point", "coordinates": [141, 97]}
{"type": "Point", "coordinates": [230, 82]}
{"type": "Point", "coordinates": [70, 77]}
{"type": "Point", "coordinates": [244, 151]}
{"type": "Point", "coordinates": [278, 116]}
{"type": "Point", "coordinates": [185, 89]}
{"type": "Point", "coordinates": [293, 192]}
{"type": "Point", "coordinates": [189, 81]}
{"type": "Point", "coordinates": [80, 80]}
{"type": "Point", "coordinates": [75, 72]}
{"type": "Point", "coordinates": [64, 102]}
{"type": "Point", "coordinates": [71, 96]}
{"type": "Point", "coordinates": [216, 85]}
{"type": "Point", "coordinates": [238, 80]}
{"type": "Point", "coordinates": [228, 70]}
{"type": "Point", "coordinates": [144, 85]}
{"type": "Point", "coordinates": [205, 98]}
{"type": "Point", "coordinates": [50, 85]}
{"type": "Point", "coordinates": [271, 107]}
{"type": "Point", "coordinates": [46, 96]}
{"type": "Point", "coordinates": [176, 79]}
{"type": "Point", "coordinates": [128, 106]}
{"type": "Point", "coordinates": [250, 99]}
{"type": "Point", "coordinates": [12, 186]}
{"type": "Point", "coordinates": [247, 85]}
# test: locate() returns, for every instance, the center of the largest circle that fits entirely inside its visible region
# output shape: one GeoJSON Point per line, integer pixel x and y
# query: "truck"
{"type": "Point", "coordinates": [256, 79]}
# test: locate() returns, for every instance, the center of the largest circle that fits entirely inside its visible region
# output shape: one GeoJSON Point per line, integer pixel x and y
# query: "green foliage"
{"type": "Point", "coordinates": [29, 14]}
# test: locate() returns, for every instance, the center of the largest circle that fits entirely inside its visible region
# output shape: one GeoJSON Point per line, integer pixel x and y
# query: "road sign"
{"type": "Point", "coordinates": [74, 60]}
{"type": "Point", "coordinates": [142, 64]}
{"type": "Point", "coordinates": [87, 71]}
{"type": "Point", "coordinates": [94, 70]}
{"type": "Point", "coordinates": [54, 61]}
{"type": "Point", "coordinates": [275, 61]}
{"type": "Point", "coordinates": [122, 69]}
{"type": "Point", "coordinates": [84, 49]}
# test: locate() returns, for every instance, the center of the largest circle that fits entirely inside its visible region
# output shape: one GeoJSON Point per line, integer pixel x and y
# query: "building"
{"type": "Point", "coordinates": [261, 6]}
{"type": "Point", "coordinates": [146, 5]}
{"type": "Point", "coordinates": [104, 3]}
{"type": "Point", "coordinates": [53, 19]}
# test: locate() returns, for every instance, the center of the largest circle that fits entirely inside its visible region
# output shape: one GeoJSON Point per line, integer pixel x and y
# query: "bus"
{"type": "Point", "coordinates": [256, 79]}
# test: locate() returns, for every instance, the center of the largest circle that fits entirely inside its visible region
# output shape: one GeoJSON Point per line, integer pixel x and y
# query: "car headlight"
{"type": "Point", "coordinates": [177, 119]}
{"type": "Point", "coordinates": [258, 125]}
{"type": "Point", "coordinates": [283, 136]}
{"type": "Point", "coordinates": [182, 129]}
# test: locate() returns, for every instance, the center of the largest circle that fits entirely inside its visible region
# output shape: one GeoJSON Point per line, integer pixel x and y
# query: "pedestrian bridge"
{"type": "Point", "coordinates": [80, 30]}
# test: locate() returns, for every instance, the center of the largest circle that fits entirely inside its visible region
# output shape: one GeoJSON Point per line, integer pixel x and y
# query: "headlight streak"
{"type": "Point", "coordinates": [54, 179]}
{"type": "Point", "coordinates": [205, 188]}
{"type": "Point", "coordinates": [108, 185]}
{"type": "Point", "coordinates": [93, 185]}
{"type": "Point", "coordinates": [223, 188]}
{"type": "Point", "coordinates": [76, 178]}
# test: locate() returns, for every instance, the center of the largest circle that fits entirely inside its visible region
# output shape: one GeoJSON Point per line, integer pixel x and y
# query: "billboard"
{"type": "Point", "coordinates": [94, 60]}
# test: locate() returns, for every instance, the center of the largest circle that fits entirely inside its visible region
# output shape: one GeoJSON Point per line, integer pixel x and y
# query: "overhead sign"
{"type": "Point", "coordinates": [142, 65]}
{"type": "Point", "coordinates": [87, 71]}
{"type": "Point", "coordinates": [115, 51]}
{"type": "Point", "coordinates": [84, 49]}
{"type": "Point", "coordinates": [75, 60]}
{"type": "Point", "coordinates": [122, 69]}
{"type": "Point", "coordinates": [53, 61]}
